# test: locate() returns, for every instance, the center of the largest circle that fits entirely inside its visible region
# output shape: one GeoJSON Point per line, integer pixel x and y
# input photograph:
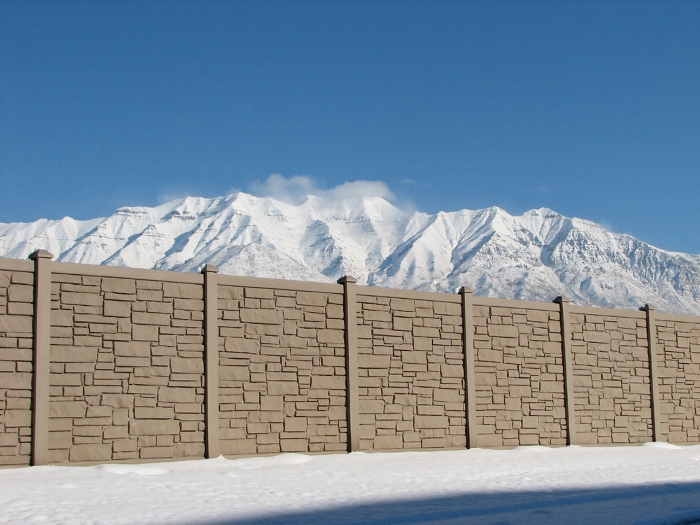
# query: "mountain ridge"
{"type": "Point", "coordinates": [537, 255]}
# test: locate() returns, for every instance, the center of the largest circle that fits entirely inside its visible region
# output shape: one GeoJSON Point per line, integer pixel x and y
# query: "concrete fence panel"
{"type": "Point", "coordinates": [126, 369]}
{"type": "Point", "coordinates": [281, 370]}
{"type": "Point", "coordinates": [612, 387]}
{"type": "Point", "coordinates": [519, 376]}
{"type": "Point", "coordinates": [411, 373]}
{"type": "Point", "coordinates": [16, 361]}
{"type": "Point", "coordinates": [114, 364]}
{"type": "Point", "coordinates": [679, 380]}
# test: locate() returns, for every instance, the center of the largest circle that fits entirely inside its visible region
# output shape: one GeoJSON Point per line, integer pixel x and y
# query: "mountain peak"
{"type": "Point", "coordinates": [537, 255]}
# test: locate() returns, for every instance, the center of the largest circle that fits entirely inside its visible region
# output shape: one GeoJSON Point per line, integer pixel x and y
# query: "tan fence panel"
{"type": "Point", "coordinates": [411, 368]}
{"type": "Point", "coordinates": [16, 338]}
{"type": "Point", "coordinates": [519, 377]}
{"type": "Point", "coordinates": [282, 371]}
{"type": "Point", "coordinates": [611, 377]}
{"type": "Point", "coordinates": [679, 381]}
{"type": "Point", "coordinates": [126, 369]}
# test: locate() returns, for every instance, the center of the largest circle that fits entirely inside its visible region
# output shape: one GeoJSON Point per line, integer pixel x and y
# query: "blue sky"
{"type": "Point", "coordinates": [589, 108]}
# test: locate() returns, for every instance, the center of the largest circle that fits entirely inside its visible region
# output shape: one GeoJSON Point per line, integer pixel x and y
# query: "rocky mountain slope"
{"type": "Point", "coordinates": [538, 255]}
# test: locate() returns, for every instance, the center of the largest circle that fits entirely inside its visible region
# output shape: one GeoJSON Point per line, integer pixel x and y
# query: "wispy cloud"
{"type": "Point", "coordinates": [296, 189]}
{"type": "Point", "coordinates": [293, 190]}
{"type": "Point", "coordinates": [361, 188]}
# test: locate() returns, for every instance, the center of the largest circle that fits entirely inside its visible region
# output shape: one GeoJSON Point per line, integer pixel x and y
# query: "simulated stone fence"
{"type": "Point", "coordinates": [109, 364]}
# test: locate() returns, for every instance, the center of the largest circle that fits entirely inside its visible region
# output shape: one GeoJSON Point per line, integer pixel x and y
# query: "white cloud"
{"type": "Point", "coordinates": [295, 190]}
{"type": "Point", "coordinates": [361, 188]}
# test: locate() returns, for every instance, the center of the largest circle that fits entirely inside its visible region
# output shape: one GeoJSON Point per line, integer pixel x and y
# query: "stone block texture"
{"type": "Point", "coordinates": [16, 311]}
{"type": "Point", "coordinates": [281, 371]}
{"type": "Point", "coordinates": [411, 374]}
{"type": "Point", "coordinates": [612, 389]}
{"type": "Point", "coordinates": [678, 372]}
{"type": "Point", "coordinates": [519, 376]}
{"type": "Point", "coordinates": [126, 369]}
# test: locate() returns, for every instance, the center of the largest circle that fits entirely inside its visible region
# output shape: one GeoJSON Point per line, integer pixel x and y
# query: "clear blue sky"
{"type": "Point", "coordinates": [589, 108]}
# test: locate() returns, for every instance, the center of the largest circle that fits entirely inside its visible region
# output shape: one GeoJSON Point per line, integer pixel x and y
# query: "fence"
{"type": "Point", "coordinates": [106, 364]}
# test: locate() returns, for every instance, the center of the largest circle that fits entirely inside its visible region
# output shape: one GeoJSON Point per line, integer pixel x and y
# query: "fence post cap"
{"type": "Point", "coordinates": [40, 254]}
{"type": "Point", "coordinates": [209, 268]}
{"type": "Point", "coordinates": [466, 290]}
{"type": "Point", "coordinates": [562, 299]}
{"type": "Point", "coordinates": [648, 308]}
{"type": "Point", "coordinates": [347, 279]}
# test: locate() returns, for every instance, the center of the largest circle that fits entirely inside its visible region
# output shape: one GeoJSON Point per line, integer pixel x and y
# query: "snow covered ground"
{"type": "Point", "coordinates": [650, 484]}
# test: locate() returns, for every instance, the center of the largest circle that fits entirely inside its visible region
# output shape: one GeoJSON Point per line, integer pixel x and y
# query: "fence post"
{"type": "Point", "coordinates": [653, 376]}
{"type": "Point", "coordinates": [351, 374]}
{"type": "Point", "coordinates": [469, 374]}
{"type": "Point", "coordinates": [211, 361]}
{"type": "Point", "coordinates": [570, 407]}
{"type": "Point", "coordinates": [42, 356]}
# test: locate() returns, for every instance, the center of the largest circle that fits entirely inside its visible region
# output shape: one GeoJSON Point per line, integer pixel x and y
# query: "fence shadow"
{"type": "Point", "coordinates": [672, 503]}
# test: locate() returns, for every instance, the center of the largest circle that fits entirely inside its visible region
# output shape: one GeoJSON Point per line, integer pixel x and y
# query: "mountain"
{"type": "Point", "coordinates": [537, 256]}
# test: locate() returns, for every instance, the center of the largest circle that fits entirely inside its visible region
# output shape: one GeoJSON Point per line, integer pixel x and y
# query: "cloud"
{"type": "Point", "coordinates": [295, 190]}
{"type": "Point", "coordinates": [361, 188]}
{"type": "Point", "coordinates": [410, 182]}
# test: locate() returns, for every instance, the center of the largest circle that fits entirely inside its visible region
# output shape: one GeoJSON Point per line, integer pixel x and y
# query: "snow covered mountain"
{"type": "Point", "coordinates": [536, 256]}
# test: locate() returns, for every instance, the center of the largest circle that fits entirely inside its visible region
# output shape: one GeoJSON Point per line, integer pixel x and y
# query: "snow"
{"type": "Point", "coordinates": [650, 484]}
{"type": "Point", "coordinates": [537, 256]}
